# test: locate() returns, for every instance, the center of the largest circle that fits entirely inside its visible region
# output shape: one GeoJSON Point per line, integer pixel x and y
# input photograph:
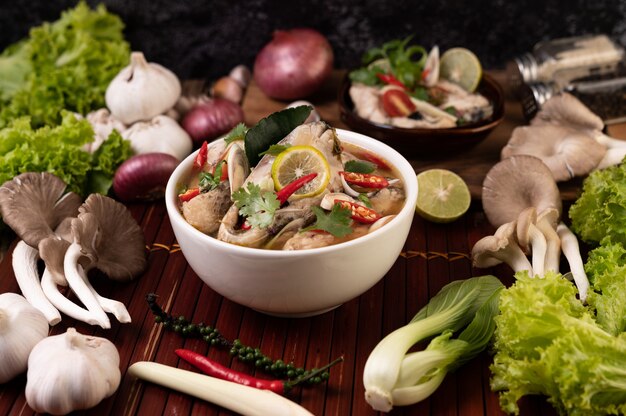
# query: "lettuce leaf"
{"type": "Point", "coordinates": [606, 269]}
{"type": "Point", "coordinates": [547, 342]}
{"type": "Point", "coordinates": [58, 150]}
{"type": "Point", "coordinates": [600, 211]}
{"type": "Point", "coordinates": [66, 64]}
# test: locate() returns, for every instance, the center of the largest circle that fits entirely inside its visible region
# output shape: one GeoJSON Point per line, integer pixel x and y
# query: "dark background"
{"type": "Point", "coordinates": [207, 38]}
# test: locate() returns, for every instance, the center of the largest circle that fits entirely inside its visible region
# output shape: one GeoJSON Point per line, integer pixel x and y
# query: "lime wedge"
{"type": "Point", "coordinates": [299, 161]}
{"type": "Point", "coordinates": [461, 66]}
{"type": "Point", "coordinates": [443, 196]}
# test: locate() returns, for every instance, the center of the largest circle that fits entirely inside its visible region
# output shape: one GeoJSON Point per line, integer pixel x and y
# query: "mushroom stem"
{"type": "Point", "coordinates": [608, 141]}
{"type": "Point", "coordinates": [553, 246]}
{"type": "Point", "coordinates": [51, 290]}
{"type": "Point", "coordinates": [538, 248]}
{"type": "Point", "coordinates": [24, 262]}
{"type": "Point", "coordinates": [118, 309]}
{"type": "Point", "coordinates": [77, 284]}
{"type": "Point", "coordinates": [518, 261]}
{"type": "Point", "coordinates": [613, 156]}
{"type": "Point", "coordinates": [569, 242]}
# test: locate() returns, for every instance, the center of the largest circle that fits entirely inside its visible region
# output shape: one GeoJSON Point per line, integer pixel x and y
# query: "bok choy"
{"type": "Point", "coordinates": [394, 378]}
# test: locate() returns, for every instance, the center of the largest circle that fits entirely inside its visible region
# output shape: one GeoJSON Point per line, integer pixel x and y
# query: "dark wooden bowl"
{"type": "Point", "coordinates": [427, 143]}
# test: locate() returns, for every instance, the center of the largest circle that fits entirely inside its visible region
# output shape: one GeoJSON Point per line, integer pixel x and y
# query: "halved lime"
{"type": "Point", "coordinates": [461, 66]}
{"type": "Point", "coordinates": [299, 161]}
{"type": "Point", "coordinates": [443, 196]}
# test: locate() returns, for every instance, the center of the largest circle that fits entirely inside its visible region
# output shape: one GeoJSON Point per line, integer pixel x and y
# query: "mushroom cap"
{"type": "Point", "coordinates": [33, 204]}
{"type": "Point", "coordinates": [52, 251]}
{"type": "Point", "coordinates": [110, 237]}
{"type": "Point", "coordinates": [516, 183]}
{"type": "Point", "coordinates": [485, 248]}
{"type": "Point", "coordinates": [567, 152]}
{"type": "Point", "coordinates": [567, 110]}
{"type": "Point", "coordinates": [551, 216]}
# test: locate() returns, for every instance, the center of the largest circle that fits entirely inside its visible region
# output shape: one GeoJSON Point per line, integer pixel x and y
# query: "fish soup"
{"type": "Point", "coordinates": [315, 191]}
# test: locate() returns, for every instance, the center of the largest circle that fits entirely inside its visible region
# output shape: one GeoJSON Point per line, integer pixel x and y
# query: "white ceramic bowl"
{"type": "Point", "coordinates": [297, 283]}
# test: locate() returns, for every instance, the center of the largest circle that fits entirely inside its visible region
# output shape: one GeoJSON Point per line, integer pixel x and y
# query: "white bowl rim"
{"type": "Point", "coordinates": [408, 209]}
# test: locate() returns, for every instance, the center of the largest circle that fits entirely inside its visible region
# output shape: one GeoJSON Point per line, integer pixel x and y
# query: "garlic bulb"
{"type": "Point", "coordinates": [70, 372]}
{"type": "Point", "coordinates": [161, 134]}
{"type": "Point", "coordinates": [142, 90]}
{"type": "Point", "coordinates": [103, 124]}
{"type": "Point", "coordinates": [22, 326]}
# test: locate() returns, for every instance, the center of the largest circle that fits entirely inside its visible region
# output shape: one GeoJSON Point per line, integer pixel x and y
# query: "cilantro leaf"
{"type": "Point", "coordinates": [210, 181]}
{"type": "Point", "coordinates": [275, 149]}
{"type": "Point", "coordinates": [257, 206]}
{"type": "Point", "coordinates": [359, 166]}
{"type": "Point", "coordinates": [366, 201]}
{"type": "Point", "coordinates": [337, 222]}
{"type": "Point", "coordinates": [367, 76]}
{"type": "Point", "coordinates": [237, 133]}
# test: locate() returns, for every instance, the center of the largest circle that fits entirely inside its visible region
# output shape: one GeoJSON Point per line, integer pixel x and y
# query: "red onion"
{"type": "Point", "coordinates": [143, 177]}
{"type": "Point", "coordinates": [294, 64]}
{"type": "Point", "coordinates": [209, 120]}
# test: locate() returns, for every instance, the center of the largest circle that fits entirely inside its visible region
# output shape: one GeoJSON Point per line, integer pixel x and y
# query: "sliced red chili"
{"type": "Point", "coordinates": [375, 159]}
{"type": "Point", "coordinates": [359, 213]}
{"type": "Point", "coordinates": [285, 192]}
{"type": "Point", "coordinates": [366, 180]}
{"type": "Point", "coordinates": [390, 80]}
{"type": "Point", "coordinates": [224, 165]}
{"type": "Point", "coordinates": [397, 103]}
{"type": "Point", "coordinates": [189, 194]}
{"type": "Point", "coordinates": [201, 157]}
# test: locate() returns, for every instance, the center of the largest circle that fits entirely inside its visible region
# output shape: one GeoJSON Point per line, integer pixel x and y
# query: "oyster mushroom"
{"type": "Point", "coordinates": [501, 247]}
{"type": "Point", "coordinates": [573, 118]}
{"type": "Point", "coordinates": [104, 236]}
{"type": "Point", "coordinates": [564, 150]}
{"type": "Point", "coordinates": [531, 239]}
{"type": "Point", "coordinates": [547, 221]}
{"type": "Point", "coordinates": [52, 251]}
{"type": "Point", "coordinates": [516, 183]}
{"type": "Point", "coordinates": [33, 204]}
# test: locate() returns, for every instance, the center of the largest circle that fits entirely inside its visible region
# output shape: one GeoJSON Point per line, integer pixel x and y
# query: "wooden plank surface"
{"type": "Point", "coordinates": [433, 255]}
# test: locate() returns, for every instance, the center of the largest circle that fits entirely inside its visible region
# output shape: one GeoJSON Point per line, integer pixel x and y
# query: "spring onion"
{"type": "Point", "coordinates": [393, 377]}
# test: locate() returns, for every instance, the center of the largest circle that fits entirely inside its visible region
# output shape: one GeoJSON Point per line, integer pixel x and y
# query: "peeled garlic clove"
{"type": "Point", "coordinates": [142, 90]}
{"type": "Point", "coordinates": [22, 326]}
{"type": "Point", "coordinates": [70, 372]}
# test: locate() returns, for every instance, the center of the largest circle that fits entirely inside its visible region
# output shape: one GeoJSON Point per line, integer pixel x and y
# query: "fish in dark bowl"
{"type": "Point", "coordinates": [419, 103]}
{"type": "Point", "coordinates": [428, 142]}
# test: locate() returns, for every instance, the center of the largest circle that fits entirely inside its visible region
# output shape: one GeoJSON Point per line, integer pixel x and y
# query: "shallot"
{"type": "Point", "coordinates": [211, 119]}
{"type": "Point", "coordinates": [294, 64]}
{"type": "Point", "coordinates": [143, 177]}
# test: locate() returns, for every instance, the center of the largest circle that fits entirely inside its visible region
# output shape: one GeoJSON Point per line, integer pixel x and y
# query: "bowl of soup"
{"type": "Point", "coordinates": [295, 266]}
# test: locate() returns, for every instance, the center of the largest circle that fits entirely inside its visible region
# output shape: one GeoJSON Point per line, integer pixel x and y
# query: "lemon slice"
{"type": "Point", "coordinates": [443, 196]}
{"type": "Point", "coordinates": [296, 162]}
{"type": "Point", "coordinates": [462, 67]}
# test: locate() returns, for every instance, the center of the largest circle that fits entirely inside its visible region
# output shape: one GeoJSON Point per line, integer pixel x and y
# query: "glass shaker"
{"type": "Point", "coordinates": [561, 60]}
{"type": "Point", "coordinates": [605, 95]}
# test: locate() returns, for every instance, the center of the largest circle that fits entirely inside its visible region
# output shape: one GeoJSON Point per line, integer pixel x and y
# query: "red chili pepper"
{"type": "Point", "coordinates": [375, 160]}
{"type": "Point", "coordinates": [189, 194]}
{"type": "Point", "coordinates": [359, 213]}
{"type": "Point", "coordinates": [214, 369]}
{"type": "Point", "coordinates": [200, 159]}
{"type": "Point", "coordinates": [284, 193]}
{"type": "Point", "coordinates": [224, 175]}
{"type": "Point", "coordinates": [390, 79]}
{"type": "Point", "coordinates": [366, 180]}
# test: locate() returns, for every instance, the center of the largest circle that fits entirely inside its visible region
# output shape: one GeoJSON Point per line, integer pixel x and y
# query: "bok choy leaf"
{"type": "Point", "coordinates": [393, 377]}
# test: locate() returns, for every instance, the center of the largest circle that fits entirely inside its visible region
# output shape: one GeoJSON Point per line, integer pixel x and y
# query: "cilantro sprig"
{"type": "Point", "coordinates": [406, 62]}
{"type": "Point", "coordinates": [210, 181]}
{"type": "Point", "coordinates": [275, 149]}
{"type": "Point", "coordinates": [336, 222]}
{"type": "Point", "coordinates": [257, 206]}
{"type": "Point", "coordinates": [237, 133]}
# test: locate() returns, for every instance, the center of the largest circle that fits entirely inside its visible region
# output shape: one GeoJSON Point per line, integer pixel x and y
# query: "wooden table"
{"type": "Point", "coordinates": [433, 255]}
